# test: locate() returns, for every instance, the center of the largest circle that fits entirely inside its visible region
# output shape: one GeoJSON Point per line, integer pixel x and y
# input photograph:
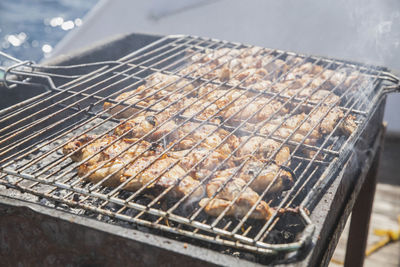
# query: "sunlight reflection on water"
{"type": "Point", "coordinates": [30, 32]}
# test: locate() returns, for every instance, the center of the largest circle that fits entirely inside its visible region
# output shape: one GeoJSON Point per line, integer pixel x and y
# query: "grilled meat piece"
{"type": "Point", "coordinates": [327, 97]}
{"type": "Point", "coordinates": [159, 175]}
{"type": "Point", "coordinates": [155, 93]}
{"type": "Point", "coordinates": [330, 118]}
{"type": "Point", "coordinates": [242, 110]}
{"type": "Point", "coordinates": [163, 175]}
{"type": "Point", "coordinates": [113, 161]}
{"type": "Point", "coordinates": [263, 148]}
{"type": "Point", "coordinates": [78, 153]}
{"type": "Point", "coordinates": [323, 118]}
{"type": "Point", "coordinates": [205, 160]}
{"type": "Point", "coordinates": [223, 64]}
{"type": "Point", "coordinates": [240, 208]}
{"type": "Point", "coordinates": [265, 173]}
{"type": "Point", "coordinates": [162, 101]}
{"type": "Point", "coordinates": [282, 128]}
{"type": "Point", "coordinates": [348, 126]}
{"type": "Point", "coordinates": [324, 96]}
{"type": "Point", "coordinates": [169, 82]}
{"type": "Point", "coordinates": [202, 110]}
{"type": "Point", "coordinates": [137, 127]}
{"type": "Point", "coordinates": [129, 98]}
{"type": "Point", "coordinates": [143, 125]}
{"type": "Point", "coordinates": [245, 201]}
{"type": "Point", "coordinates": [101, 148]}
{"type": "Point", "coordinates": [208, 136]}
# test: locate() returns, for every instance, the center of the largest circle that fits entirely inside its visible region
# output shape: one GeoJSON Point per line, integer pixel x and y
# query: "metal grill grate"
{"type": "Point", "coordinates": [34, 132]}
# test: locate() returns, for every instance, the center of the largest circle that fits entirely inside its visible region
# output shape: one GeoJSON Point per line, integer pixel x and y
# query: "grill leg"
{"type": "Point", "coordinates": [359, 225]}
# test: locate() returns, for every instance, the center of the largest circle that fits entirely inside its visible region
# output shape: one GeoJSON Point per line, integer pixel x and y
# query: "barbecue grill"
{"type": "Point", "coordinates": [66, 98]}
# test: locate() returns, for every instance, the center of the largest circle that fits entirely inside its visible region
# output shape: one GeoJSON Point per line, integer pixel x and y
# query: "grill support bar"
{"type": "Point", "coordinates": [360, 218]}
{"type": "Point", "coordinates": [341, 196]}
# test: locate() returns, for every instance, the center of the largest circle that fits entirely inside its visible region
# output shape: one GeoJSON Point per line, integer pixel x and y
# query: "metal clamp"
{"type": "Point", "coordinates": [8, 71]}
{"type": "Point", "coordinates": [29, 69]}
{"type": "Point", "coordinates": [387, 76]}
{"type": "Point", "coordinates": [392, 89]}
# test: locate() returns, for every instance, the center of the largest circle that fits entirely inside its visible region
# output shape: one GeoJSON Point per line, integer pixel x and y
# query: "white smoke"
{"type": "Point", "coordinates": [377, 30]}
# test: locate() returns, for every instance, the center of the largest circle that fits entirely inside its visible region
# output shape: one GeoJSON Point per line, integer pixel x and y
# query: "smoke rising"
{"type": "Point", "coordinates": [376, 27]}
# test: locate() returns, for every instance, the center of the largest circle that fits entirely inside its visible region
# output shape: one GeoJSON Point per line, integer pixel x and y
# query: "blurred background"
{"type": "Point", "coordinates": [367, 31]}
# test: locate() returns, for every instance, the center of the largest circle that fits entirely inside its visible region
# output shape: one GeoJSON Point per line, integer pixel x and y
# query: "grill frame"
{"type": "Point", "coordinates": [307, 203]}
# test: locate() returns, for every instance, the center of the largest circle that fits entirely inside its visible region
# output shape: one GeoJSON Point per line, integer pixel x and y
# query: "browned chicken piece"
{"type": "Point", "coordinates": [253, 72]}
{"type": "Point", "coordinates": [286, 87]}
{"type": "Point", "coordinates": [205, 160]}
{"type": "Point", "coordinates": [260, 109]}
{"type": "Point", "coordinates": [276, 68]}
{"type": "Point", "coordinates": [94, 173]}
{"type": "Point", "coordinates": [307, 68]}
{"type": "Point", "coordinates": [103, 149]}
{"type": "Point", "coordinates": [334, 76]}
{"type": "Point", "coordinates": [248, 76]}
{"type": "Point", "coordinates": [240, 208]}
{"type": "Point", "coordinates": [224, 64]}
{"type": "Point", "coordinates": [346, 78]}
{"type": "Point", "coordinates": [202, 110]}
{"type": "Point", "coordinates": [222, 96]}
{"type": "Point", "coordinates": [205, 71]}
{"type": "Point", "coordinates": [159, 124]}
{"type": "Point", "coordinates": [265, 173]}
{"type": "Point", "coordinates": [312, 96]}
{"type": "Point", "coordinates": [159, 175]}
{"type": "Point", "coordinates": [245, 201]}
{"type": "Point", "coordinates": [317, 79]}
{"type": "Point", "coordinates": [232, 96]}
{"type": "Point", "coordinates": [327, 97]}
{"type": "Point", "coordinates": [222, 54]}
{"type": "Point", "coordinates": [129, 98]}
{"type": "Point", "coordinates": [155, 93]}
{"type": "Point", "coordinates": [285, 129]}
{"type": "Point", "coordinates": [158, 102]}
{"type": "Point", "coordinates": [263, 148]}
{"type": "Point", "coordinates": [163, 175]}
{"type": "Point", "coordinates": [124, 164]}
{"type": "Point", "coordinates": [75, 146]}
{"type": "Point", "coordinates": [137, 127]}
{"type": "Point", "coordinates": [294, 60]}
{"type": "Point", "coordinates": [210, 136]}
{"type": "Point", "coordinates": [321, 83]}
{"type": "Point", "coordinates": [324, 119]}
{"type": "Point", "coordinates": [264, 86]}
{"type": "Point", "coordinates": [169, 82]}
{"type": "Point", "coordinates": [331, 118]}
{"type": "Point", "coordinates": [338, 80]}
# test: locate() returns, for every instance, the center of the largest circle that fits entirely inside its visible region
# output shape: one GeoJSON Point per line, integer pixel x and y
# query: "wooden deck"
{"type": "Point", "coordinates": [386, 208]}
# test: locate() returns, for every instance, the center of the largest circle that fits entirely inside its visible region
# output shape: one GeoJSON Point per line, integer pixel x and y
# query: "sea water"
{"type": "Point", "coordinates": [30, 29]}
